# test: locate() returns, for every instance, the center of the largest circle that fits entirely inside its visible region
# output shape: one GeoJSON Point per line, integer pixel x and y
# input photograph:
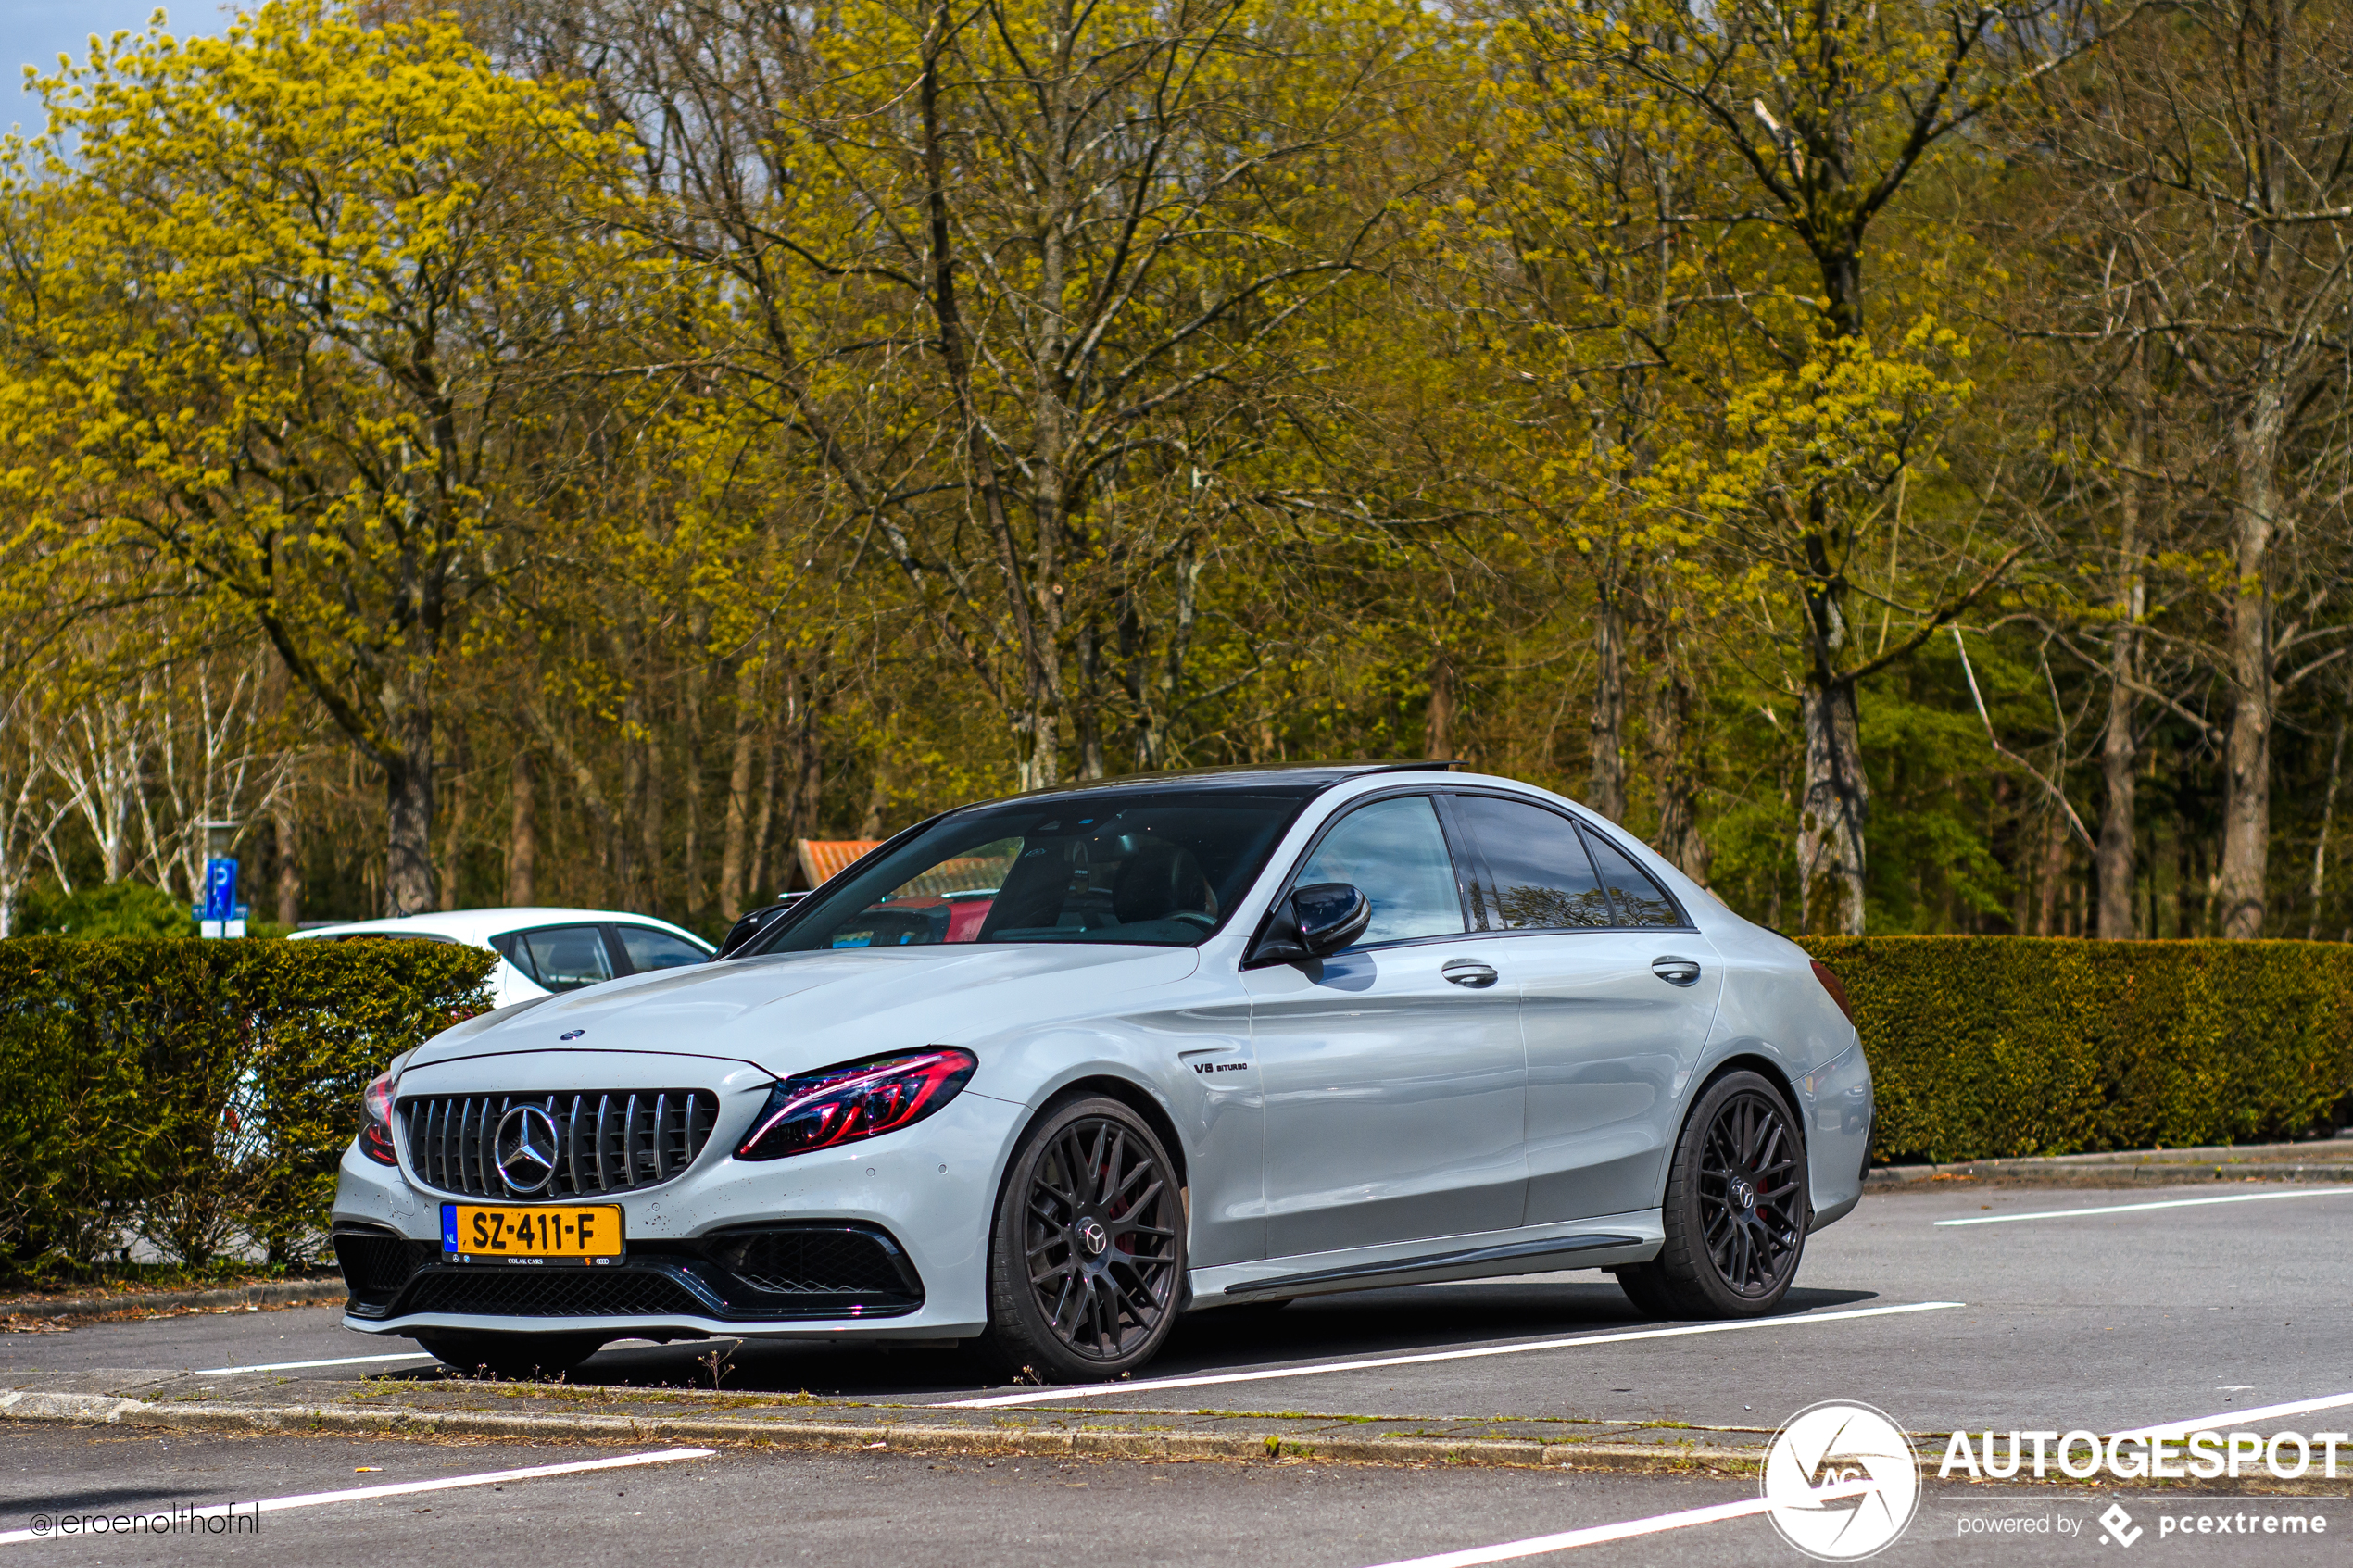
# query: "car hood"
{"type": "Point", "coordinates": [789, 1012]}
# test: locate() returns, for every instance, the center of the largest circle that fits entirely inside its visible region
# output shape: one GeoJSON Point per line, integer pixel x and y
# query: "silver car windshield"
{"type": "Point", "coordinates": [1159, 867]}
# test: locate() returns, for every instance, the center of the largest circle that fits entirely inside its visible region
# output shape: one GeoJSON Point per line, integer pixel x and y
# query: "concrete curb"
{"type": "Point", "coordinates": [901, 1437]}
{"type": "Point", "coordinates": [277, 1293]}
{"type": "Point", "coordinates": [2324, 1160]}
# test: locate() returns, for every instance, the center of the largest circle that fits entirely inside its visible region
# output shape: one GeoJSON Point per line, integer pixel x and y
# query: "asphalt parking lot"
{"type": "Point", "coordinates": [1952, 1307]}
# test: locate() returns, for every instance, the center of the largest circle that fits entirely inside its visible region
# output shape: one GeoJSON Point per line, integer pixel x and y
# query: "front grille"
{"type": "Point", "coordinates": [815, 1261]}
{"type": "Point", "coordinates": [555, 1293]}
{"type": "Point", "coordinates": [607, 1140]}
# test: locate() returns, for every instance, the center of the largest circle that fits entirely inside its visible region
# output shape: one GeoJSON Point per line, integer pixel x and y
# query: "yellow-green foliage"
{"type": "Point", "coordinates": [1987, 1047]}
{"type": "Point", "coordinates": [196, 1092]}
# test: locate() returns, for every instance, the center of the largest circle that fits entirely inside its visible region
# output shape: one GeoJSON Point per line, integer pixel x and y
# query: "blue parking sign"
{"type": "Point", "coordinates": [219, 890]}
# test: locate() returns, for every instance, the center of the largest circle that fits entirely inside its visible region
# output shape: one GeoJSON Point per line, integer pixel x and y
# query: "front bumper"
{"type": "Point", "coordinates": [912, 1209]}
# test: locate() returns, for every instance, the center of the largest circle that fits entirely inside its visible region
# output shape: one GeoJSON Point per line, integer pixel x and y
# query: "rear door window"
{"type": "Point", "coordinates": [1537, 876]}
{"type": "Point", "coordinates": [648, 949]}
{"type": "Point", "coordinates": [560, 958]}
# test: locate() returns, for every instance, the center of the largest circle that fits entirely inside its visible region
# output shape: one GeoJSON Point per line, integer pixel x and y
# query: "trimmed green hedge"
{"type": "Point", "coordinates": [1985, 1047]}
{"type": "Point", "coordinates": [201, 1094]}
{"type": "Point", "coordinates": [197, 1094]}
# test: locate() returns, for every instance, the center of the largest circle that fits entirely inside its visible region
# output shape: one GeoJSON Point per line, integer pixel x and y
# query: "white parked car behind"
{"type": "Point", "coordinates": [542, 951]}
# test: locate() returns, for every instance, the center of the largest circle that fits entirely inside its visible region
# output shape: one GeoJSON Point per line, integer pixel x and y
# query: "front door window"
{"type": "Point", "coordinates": [1395, 854]}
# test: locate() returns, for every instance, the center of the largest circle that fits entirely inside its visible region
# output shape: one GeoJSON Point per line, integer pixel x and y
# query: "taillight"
{"type": "Point", "coordinates": [1838, 992]}
{"type": "Point", "coordinates": [856, 1099]}
{"type": "Point", "coordinates": [375, 1133]}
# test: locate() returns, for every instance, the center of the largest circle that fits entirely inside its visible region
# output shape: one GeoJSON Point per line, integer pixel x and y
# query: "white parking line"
{"type": "Point", "coordinates": [403, 1488]}
{"type": "Point", "coordinates": [2227, 1418]}
{"type": "Point", "coordinates": [289, 1366]}
{"type": "Point", "coordinates": [1594, 1535]}
{"type": "Point", "coordinates": [2135, 1208]}
{"type": "Point", "coordinates": [1153, 1384]}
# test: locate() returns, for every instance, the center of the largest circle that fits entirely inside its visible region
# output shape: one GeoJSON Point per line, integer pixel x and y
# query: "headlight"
{"type": "Point", "coordinates": [375, 1133]}
{"type": "Point", "coordinates": [856, 1099]}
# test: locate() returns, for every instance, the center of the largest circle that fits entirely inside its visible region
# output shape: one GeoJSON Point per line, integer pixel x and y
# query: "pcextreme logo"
{"type": "Point", "coordinates": [1841, 1481]}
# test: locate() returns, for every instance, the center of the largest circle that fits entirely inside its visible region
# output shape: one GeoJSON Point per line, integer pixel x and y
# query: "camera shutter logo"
{"type": "Point", "coordinates": [1842, 1481]}
{"type": "Point", "coordinates": [527, 1149]}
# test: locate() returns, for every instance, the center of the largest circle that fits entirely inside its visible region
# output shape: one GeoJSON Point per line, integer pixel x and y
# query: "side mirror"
{"type": "Point", "coordinates": [750, 926]}
{"type": "Point", "coordinates": [1315, 921]}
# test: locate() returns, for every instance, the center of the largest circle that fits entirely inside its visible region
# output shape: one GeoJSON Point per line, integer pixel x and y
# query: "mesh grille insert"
{"type": "Point", "coordinates": [810, 1260]}
{"type": "Point", "coordinates": [376, 1265]}
{"type": "Point", "coordinates": [569, 1292]}
{"type": "Point", "coordinates": [607, 1140]}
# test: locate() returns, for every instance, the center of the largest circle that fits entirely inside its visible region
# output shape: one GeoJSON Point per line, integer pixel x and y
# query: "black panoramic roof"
{"type": "Point", "coordinates": [1309, 778]}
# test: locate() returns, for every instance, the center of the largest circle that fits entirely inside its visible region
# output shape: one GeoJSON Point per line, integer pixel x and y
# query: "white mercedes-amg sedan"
{"type": "Point", "coordinates": [1046, 1073]}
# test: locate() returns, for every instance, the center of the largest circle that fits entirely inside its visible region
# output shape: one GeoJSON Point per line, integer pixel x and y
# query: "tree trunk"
{"type": "Point", "coordinates": [523, 828]}
{"type": "Point", "coordinates": [757, 887]}
{"type": "Point", "coordinates": [1438, 727]}
{"type": "Point", "coordinates": [1090, 702]}
{"type": "Point", "coordinates": [408, 813]}
{"type": "Point", "coordinates": [1679, 838]}
{"type": "Point", "coordinates": [1829, 822]}
{"type": "Point", "coordinates": [2328, 822]}
{"type": "Point", "coordinates": [453, 839]}
{"type": "Point", "coordinates": [288, 847]}
{"type": "Point", "coordinates": [649, 828]}
{"type": "Point", "coordinates": [2048, 916]}
{"type": "Point", "coordinates": [692, 781]}
{"type": "Point", "coordinates": [1607, 793]}
{"type": "Point", "coordinates": [2120, 752]}
{"type": "Point", "coordinates": [2247, 810]}
{"type": "Point", "coordinates": [732, 866]}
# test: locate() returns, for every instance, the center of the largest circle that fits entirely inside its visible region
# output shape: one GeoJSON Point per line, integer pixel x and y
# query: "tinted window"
{"type": "Point", "coordinates": [1539, 877]}
{"type": "Point", "coordinates": [1154, 867]}
{"type": "Point", "coordinates": [648, 949]}
{"type": "Point", "coordinates": [1395, 853]}
{"type": "Point", "coordinates": [1640, 901]}
{"type": "Point", "coordinates": [560, 958]}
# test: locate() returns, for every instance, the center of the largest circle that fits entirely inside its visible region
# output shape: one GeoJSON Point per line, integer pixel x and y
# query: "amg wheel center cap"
{"type": "Point", "coordinates": [1092, 1237]}
{"type": "Point", "coordinates": [526, 1150]}
{"type": "Point", "coordinates": [1743, 1195]}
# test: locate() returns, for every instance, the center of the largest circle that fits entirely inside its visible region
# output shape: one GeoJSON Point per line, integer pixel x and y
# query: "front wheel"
{"type": "Point", "coordinates": [1736, 1208]}
{"type": "Point", "coordinates": [1087, 1257]}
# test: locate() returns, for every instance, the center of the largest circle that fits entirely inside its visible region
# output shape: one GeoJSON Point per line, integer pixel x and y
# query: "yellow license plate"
{"type": "Point", "coordinates": [485, 1233]}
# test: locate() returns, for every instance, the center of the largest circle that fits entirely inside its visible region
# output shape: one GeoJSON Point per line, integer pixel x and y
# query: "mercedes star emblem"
{"type": "Point", "coordinates": [1093, 1237]}
{"type": "Point", "coordinates": [527, 1149]}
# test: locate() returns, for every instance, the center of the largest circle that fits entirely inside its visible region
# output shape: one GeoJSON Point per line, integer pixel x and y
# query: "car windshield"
{"type": "Point", "coordinates": [1160, 868]}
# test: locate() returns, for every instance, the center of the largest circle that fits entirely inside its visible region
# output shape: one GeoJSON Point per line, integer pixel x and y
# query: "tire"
{"type": "Point", "coordinates": [518, 1356]}
{"type": "Point", "coordinates": [1087, 1257]}
{"type": "Point", "coordinates": [1736, 1208]}
{"type": "Point", "coordinates": [1643, 1290]}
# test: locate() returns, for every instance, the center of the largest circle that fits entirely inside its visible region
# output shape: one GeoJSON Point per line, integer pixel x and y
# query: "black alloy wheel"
{"type": "Point", "coordinates": [1747, 1186]}
{"type": "Point", "coordinates": [1736, 1208]}
{"type": "Point", "coordinates": [1088, 1262]}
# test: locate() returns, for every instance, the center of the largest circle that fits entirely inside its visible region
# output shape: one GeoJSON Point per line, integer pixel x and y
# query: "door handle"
{"type": "Point", "coordinates": [1675, 971]}
{"type": "Point", "coordinates": [1468, 971]}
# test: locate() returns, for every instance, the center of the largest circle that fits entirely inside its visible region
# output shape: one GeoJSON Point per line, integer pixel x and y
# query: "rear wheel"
{"type": "Point", "coordinates": [1736, 1208]}
{"type": "Point", "coordinates": [1087, 1263]}
{"type": "Point", "coordinates": [511, 1355]}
